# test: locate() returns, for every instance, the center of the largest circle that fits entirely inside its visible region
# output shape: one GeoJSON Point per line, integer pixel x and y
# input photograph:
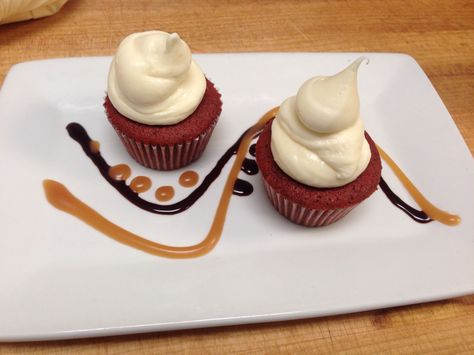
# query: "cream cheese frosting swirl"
{"type": "Point", "coordinates": [154, 80]}
{"type": "Point", "coordinates": [318, 135]}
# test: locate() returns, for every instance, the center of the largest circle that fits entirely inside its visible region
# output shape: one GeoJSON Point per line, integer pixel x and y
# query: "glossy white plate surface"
{"type": "Point", "coordinates": [59, 278]}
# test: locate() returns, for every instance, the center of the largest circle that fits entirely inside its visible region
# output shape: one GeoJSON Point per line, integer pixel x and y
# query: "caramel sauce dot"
{"type": "Point", "coordinates": [140, 184]}
{"type": "Point", "coordinates": [164, 193]}
{"type": "Point", "coordinates": [188, 178]}
{"type": "Point", "coordinates": [94, 146]}
{"type": "Point", "coordinates": [120, 172]}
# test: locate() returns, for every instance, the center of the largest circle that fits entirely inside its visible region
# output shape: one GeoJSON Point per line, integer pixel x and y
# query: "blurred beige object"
{"type": "Point", "coordinates": [21, 10]}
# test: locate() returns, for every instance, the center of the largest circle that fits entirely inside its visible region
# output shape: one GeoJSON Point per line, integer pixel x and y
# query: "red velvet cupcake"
{"type": "Point", "coordinates": [159, 102]}
{"type": "Point", "coordinates": [310, 206]}
{"type": "Point", "coordinates": [169, 147]}
{"type": "Point", "coordinates": [316, 161]}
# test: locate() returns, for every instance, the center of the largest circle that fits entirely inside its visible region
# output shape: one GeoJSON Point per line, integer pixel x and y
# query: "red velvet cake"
{"type": "Point", "coordinates": [308, 205]}
{"type": "Point", "coordinates": [167, 147]}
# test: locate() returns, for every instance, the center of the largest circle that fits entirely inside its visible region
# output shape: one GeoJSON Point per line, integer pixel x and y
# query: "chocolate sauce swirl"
{"type": "Point", "coordinates": [416, 215]}
{"type": "Point", "coordinates": [79, 134]}
{"type": "Point", "coordinates": [59, 196]}
{"type": "Point", "coordinates": [241, 187]}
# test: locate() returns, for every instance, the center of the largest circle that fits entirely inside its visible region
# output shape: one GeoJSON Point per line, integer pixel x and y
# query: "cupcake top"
{"type": "Point", "coordinates": [154, 80]}
{"type": "Point", "coordinates": [318, 135]}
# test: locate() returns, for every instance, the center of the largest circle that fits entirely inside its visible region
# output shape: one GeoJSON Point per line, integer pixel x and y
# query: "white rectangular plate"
{"type": "Point", "coordinates": [62, 279]}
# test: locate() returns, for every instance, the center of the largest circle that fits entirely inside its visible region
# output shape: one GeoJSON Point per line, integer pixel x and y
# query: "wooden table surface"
{"type": "Point", "coordinates": [438, 34]}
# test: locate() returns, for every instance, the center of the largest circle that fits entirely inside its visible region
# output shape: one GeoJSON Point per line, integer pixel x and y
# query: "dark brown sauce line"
{"type": "Point", "coordinates": [249, 166]}
{"type": "Point", "coordinates": [416, 215]}
{"type": "Point", "coordinates": [253, 149]}
{"type": "Point", "coordinates": [60, 197]}
{"type": "Point", "coordinates": [241, 187]}
{"type": "Point", "coordinates": [80, 135]}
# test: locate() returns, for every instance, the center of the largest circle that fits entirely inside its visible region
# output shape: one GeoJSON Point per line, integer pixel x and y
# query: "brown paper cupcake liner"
{"type": "Point", "coordinates": [302, 215]}
{"type": "Point", "coordinates": [167, 157]}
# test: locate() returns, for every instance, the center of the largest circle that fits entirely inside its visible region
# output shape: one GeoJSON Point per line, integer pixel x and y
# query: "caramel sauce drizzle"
{"type": "Point", "coordinates": [60, 197]}
{"type": "Point", "coordinates": [140, 184]}
{"type": "Point", "coordinates": [188, 178]}
{"type": "Point", "coordinates": [164, 193]}
{"type": "Point", "coordinates": [431, 210]}
{"type": "Point", "coordinates": [120, 172]}
{"type": "Point", "coordinates": [94, 146]}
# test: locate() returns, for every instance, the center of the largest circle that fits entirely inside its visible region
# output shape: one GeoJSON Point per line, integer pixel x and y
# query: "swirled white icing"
{"type": "Point", "coordinates": [318, 135]}
{"type": "Point", "coordinates": [154, 80]}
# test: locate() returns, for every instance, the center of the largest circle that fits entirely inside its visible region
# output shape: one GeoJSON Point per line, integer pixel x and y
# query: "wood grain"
{"type": "Point", "coordinates": [438, 34]}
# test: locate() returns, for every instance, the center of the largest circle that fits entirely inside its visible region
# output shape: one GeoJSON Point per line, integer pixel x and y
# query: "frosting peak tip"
{"type": "Point", "coordinates": [171, 41]}
{"type": "Point", "coordinates": [356, 63]}
{"type": "Point", "coordinates": [354, 66]}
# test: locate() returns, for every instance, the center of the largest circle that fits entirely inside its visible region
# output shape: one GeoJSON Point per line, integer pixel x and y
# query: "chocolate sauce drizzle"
{"type": "Point", "coordinates": [249, 166]}
{"type": "Point", "coordinates": [242, 188]}
{"type": "Point", "coordinates": [416, 215]}
{"type": "Point", "coordinates": [253, 150]}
